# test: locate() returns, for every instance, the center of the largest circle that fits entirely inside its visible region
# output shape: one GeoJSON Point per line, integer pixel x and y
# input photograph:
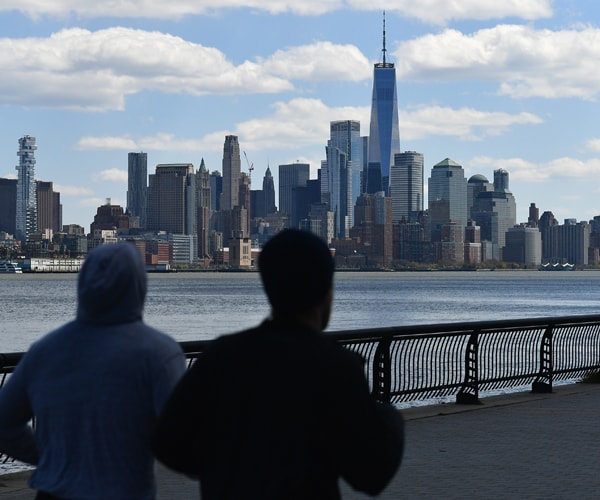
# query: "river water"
{"type": "Point", "coordinates": [194, 306]}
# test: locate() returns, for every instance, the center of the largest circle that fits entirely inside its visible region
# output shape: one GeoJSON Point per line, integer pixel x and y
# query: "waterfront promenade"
{"type": "Point", "coordinates": [516, 446]}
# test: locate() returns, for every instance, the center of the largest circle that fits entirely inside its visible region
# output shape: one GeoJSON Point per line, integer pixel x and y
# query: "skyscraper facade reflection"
{"type": "Point", "coordinates": [384, 131]}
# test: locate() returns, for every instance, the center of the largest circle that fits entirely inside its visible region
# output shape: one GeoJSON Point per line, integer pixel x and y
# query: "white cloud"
{"type": "Point", "coordinates": [526, 62]}
{"type": "Point", "coordinates": [111, 175]}
{"type": "Point", "coordinates": [524, 170]}
{"type": "Point", "coordinates": [80, 69]}
{"type": "Point", "coordinates": [66, 190]}
{"type": "Point", "coordinates": [84, 70]}
{"type": "Point", "coordinates": [320, 61]}
{"type": "Point", "coordinates": [431, 11]}
{"type": "Point", "coordinates": [304, 122]}
{"type": "Point", "coordinates": [593, 145]}
{"type": "Point", "coordinates": [463, 123]}
{"type": "Point", "coordinates": [158, 142]}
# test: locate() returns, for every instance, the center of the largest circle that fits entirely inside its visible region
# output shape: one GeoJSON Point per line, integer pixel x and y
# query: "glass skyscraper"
{"type": "Point", "coordinates": [406, 185]}
{"type": "Point", "coordinates": [26, 221]}
{"type": "Point", "coordinates": [291, 176]}
{"type": "Point", "coordinates": [343, 167]}
{"type": "Point", "coordinates": [384, 132]}
{"type": "Point", "coordinates": [447, 196]}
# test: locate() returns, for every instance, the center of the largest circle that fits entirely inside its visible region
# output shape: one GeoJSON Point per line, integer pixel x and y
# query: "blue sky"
{"type": "Point", "coordinates": [511, 84]}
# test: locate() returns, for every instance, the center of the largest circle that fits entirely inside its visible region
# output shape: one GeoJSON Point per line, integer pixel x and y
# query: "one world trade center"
{"type": "Point", "coordinates": [384, 134]}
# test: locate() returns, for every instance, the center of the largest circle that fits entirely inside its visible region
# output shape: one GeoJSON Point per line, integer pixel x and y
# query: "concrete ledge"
{"type": "Point", "coordinates": [512, 398]}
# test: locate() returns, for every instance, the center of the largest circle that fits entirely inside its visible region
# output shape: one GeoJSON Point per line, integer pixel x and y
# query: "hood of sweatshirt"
{"type": "Point", "coordinates": [112, 285]}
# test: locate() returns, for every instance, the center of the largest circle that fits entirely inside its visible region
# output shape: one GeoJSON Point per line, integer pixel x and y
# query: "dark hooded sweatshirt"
{"type": "Point", "coordinates": [95, 387]}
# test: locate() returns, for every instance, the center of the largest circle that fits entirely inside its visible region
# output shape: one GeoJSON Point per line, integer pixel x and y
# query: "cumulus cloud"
{"type": "Point", "coordinates": [66, 190]}
{"type": "Point", "coordinates": [526, 62]}
{"type": "Point", "coordinates": [111, 175]}
{"type": "Point", "coordinates": [524, 170]}
{"type": "Point", "coordinates": [430, 11]}
{"type": "Point", "coordinates": [80, 69]}
{"type": "Point", "coordinates": [304, 122]}
{"type": "Point", "coordinates": [593, 145]}
{"type": "Point", "coordinates": [158, 142]}
{"type": "Point", "coordinates": [464, 123]}
{"type": "Point", "coordinates": [320, 61]}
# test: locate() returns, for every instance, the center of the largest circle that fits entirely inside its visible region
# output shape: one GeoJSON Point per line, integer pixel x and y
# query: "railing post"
{"type": "Point", "coordinates": [543, 382]}
{"type": "Point", "coordinates": [469, 392]}
{"type": "Point", "coordinates": [382, 372]}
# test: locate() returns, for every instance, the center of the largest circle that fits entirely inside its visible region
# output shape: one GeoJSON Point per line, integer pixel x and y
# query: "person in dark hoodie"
{"type": "Point", "coordinates": [95, 387]}
{"type": "Point", "coordinates": [281, 412]}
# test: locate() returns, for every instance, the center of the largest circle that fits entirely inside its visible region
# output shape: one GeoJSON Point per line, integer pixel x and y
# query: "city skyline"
{"type": "Point", "coordinates": [509, 86]}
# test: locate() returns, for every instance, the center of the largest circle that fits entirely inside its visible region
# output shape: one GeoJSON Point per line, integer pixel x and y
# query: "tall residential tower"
{"type": "Point", "coordinates": [26, 222]}
{"type": "Point", "coordinates": [137, 186]}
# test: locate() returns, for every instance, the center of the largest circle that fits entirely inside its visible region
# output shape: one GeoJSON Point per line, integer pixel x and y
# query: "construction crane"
{"type": "Point", "coordinates": [250, 167]}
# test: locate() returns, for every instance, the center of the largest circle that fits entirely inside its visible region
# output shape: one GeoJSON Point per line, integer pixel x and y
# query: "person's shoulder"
{"type": "Point", "coordinates": [157, 339]}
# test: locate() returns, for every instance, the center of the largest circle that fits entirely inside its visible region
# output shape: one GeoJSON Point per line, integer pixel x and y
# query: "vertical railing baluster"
{"type": "Point", "coordinates": [382, 371]}
{"type": "Point", "coordinates": [469, 391]}
{"type": "Point", "coordinates": [543, 382]}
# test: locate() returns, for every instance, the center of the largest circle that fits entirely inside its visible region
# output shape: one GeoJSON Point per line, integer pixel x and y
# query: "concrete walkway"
{"type": "Point", "coordinates": [517, 446]}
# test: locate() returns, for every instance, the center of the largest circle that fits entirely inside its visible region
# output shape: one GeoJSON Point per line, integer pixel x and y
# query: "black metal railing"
{"type": "Point", "coordinates": [461, 360]}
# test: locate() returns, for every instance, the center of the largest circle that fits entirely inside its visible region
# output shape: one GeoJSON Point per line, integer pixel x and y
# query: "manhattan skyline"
{"type": "Point", "coordinates": [497, 86]}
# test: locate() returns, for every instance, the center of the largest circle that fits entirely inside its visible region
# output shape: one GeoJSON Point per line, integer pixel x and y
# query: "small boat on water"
{"type": "Point", "coordinates": [7, 267]}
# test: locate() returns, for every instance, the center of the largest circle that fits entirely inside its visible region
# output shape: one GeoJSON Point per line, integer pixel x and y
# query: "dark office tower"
{"type": "Point", "coordinates": [8, 205]}
{"type": "Point", "coordinates": [447, 197]}
{"type": "Point", "coordinates": [48, 207]}
{"type": "Point", "coordinates": [534, 216]}
{"type": "Point", "coordinates": [269, 192]}
{"type": "Point", "coordinates": [26, 220]}
{"type": "Point", "coordinates": [406, 185]}
{"type": "Point", "coordinates": [231, 173]}
{"type": "Point", "coordinates": [137, 187]}
{"type": "Point", "coordinates": [495, 212]}
{"type": "Point", "coordinates": [547, 221]}
{"type": "Point", "coordinates": [303, 198]}
{"type": "Point", "coordinates": [291, 176]}
{"type": "Point", "coordinates": [501, 181]}
{"type": "Point", "coordinates": [172, 199]}
{"type": "Point", "coordinates": [384, 132]}
{"type": "Point", "coordinates": [216, 190]}
{"type": "Point", "coordinates": [365, 162]}
{"type": "Point", "coordinates": [203, 212]}
{"type": "Point", "coordinates": [242, 212]}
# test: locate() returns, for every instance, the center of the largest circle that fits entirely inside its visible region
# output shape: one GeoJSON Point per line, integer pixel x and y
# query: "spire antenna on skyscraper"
{"type": "Point", "coordinates": [384, 49]}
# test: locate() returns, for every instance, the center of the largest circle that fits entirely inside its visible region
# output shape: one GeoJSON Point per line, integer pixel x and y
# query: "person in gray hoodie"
{"type": "Point", "coordinates": [95, 387]}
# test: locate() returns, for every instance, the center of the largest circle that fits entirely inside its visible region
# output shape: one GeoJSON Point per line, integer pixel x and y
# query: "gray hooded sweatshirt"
{"type": "Point", "coordinates": [95, 387]}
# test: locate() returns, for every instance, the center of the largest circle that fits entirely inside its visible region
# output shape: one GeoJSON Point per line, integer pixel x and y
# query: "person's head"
{"type": "Point", "coordinates": [112, 285]}
{"type": "Point", "coordinates": [296, 268]}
